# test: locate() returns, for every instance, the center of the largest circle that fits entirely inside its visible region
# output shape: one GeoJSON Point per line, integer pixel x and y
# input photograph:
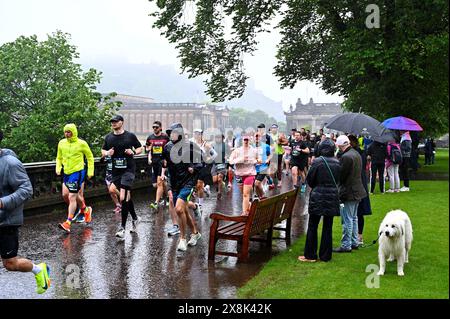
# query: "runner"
{"type": "Point", "coordinates": [244, 158]}
{"type": "Point", "coordinates": [219, 170]}
{"type": "Point", "coordinates": [263, 157]}
{"type": "Point", "coordinates": [183, 160]}
{"type": "Point", "coordinates": [112, 189]}
{"type": "Point", "coordinates": [155, 145]}
{"type": "Point", "coordinates": [299, 161]}
{"type": "Point", "coordinates": [15, 190]}
{"type": "Point", "coordinates": [70, 160]}
{"type": "Point", "coordinates": [122, 145]}
{"type": "Point", "coordinates": [205, 176]}
{"type": "Point", "coordinates": [230, 141]}
{"type": "Point", "coordinates": [278, 142]}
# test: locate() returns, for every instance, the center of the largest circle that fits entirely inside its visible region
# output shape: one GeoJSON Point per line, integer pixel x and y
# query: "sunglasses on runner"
{"type": "Point", "coordinates": [155, 127]}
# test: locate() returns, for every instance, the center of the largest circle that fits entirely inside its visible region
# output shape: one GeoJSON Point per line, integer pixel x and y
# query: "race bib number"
{"type": "Point", "coordinates": [120, 163]}
{"type": "Point", "coordinates": [157, 149]}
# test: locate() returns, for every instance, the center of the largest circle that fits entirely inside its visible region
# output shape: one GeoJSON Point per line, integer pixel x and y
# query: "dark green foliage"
{"type": "Point", "coordinates": [41, 90]}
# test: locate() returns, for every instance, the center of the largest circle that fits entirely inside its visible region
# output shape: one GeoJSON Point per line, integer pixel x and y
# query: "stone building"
{"type": "Point", "coordinates": [311, 115]}
{"type": "Point", "coordinates": [140, 113]}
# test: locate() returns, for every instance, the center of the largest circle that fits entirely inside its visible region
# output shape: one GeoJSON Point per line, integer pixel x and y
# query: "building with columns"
{"type": "Point", "coordinates": [140, 112]}
{"type": "Point", "coordinates": [311, 115]}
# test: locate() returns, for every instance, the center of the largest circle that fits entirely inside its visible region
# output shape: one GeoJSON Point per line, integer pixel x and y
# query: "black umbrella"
{"type": "Point", "coordinates": [355, 123]}
{"type": "Point", "coordinates": [385, 137]}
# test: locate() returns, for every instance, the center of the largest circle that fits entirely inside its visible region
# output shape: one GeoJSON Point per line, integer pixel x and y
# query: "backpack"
{"type": "Point", "coordinates": [396, 155]}
{"type": "Point", "coordinates": [406, 148]}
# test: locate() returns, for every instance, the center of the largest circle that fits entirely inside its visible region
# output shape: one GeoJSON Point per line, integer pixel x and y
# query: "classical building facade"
{"type": "Point", "coordinates": [311, 115]}
{"type": "Point", "coordinates": [140, 113]}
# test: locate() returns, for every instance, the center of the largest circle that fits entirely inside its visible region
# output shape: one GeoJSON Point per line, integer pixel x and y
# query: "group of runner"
{"type": "Point", "coordinates": [182, 170]}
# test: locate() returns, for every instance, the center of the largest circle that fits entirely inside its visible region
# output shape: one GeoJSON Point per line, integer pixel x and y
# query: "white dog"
{"type": "Point", "coordinates": [396, 236]}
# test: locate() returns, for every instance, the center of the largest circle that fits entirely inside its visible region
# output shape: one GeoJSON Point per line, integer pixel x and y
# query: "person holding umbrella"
{"type": "Point", "coordinates": [406, 149]}
{"type": "Point", "coordinates": [376, 154]}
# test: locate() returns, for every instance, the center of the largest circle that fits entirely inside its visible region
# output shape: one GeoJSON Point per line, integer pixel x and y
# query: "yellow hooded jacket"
{"type": "Point", "coordinates": [71, 152]}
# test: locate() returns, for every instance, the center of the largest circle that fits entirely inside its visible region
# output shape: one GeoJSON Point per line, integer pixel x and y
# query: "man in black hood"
{"type": "Point", "coordinates": [183, 159]}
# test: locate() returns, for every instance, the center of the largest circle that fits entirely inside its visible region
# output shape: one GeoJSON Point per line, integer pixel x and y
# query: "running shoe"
{"type": "Point", "coordinates": [174, 230]}
{"type": "Point", "coordinates": [303, 189]}
{"type": "Point", "coordinates": [88, 214]}
{"type": "Point", "coordinates": [65, 226]}
{"type": "Point", "coordinates": [121, 233]}
{"type": "Point", "coordinates": [198, 210]}
{"type": "Point", "coordinates": [207, 191]}
{"type": "Point", "coordinates": [154, 205]}
{"type": "Point", "coordinates": [182, 245]}
{"type": "Point", "coordinates": [162, 203]}
{"type": "Point", "coordinates": [229, 186]}
{"type": "Point", "coordinates": [404, 189]}
{"type": "Point", "coordinates": [134, 224]}
{"type": "Point", "coordinates": [80, 218]}
{"type": "Point", "coordinates": [271, 186]}
{"type": "Point", "coordinates": [194, 239]}
{"type": "Point", "coordinates": [43, 279]}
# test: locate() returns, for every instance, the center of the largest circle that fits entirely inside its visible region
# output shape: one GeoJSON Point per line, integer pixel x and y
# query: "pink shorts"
{"type": "Point", "coordinates": [246, 180]}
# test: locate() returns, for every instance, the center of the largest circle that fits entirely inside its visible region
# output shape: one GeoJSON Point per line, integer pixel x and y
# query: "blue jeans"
{"type": "Point", "coordinates": [349, 219]}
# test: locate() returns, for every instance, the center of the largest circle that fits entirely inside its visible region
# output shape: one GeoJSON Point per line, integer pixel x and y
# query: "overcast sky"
{"type": "Point", "coordinates": [117, 29]}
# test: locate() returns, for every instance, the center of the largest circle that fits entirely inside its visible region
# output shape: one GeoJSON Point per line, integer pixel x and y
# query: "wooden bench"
{"type": "Point", "coordinates": [263, 215]}
{"type": "Point", "coordinates": [284, 212]}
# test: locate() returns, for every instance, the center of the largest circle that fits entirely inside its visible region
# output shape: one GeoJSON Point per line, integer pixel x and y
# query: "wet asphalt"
{"type": "Point", "coordinates": [90, 263]}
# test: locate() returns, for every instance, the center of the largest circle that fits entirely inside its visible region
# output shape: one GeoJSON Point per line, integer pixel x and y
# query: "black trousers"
{"type": "Point", "coordinates": [404, 171]}
{"type": "Point", "coordinates": [326, 242]}
{"type": "Point", "coordinates": [377, 167]}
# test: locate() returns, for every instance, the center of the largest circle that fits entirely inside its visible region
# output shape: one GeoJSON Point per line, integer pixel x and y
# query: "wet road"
{"type": "Point", "coordinates": [91, 263]}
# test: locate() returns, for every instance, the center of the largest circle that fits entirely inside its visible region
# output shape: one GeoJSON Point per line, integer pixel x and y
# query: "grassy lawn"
{"type": "Point", "coordinates": [440, 164]}
{"type": "Point", "coordinates": [426, 275]}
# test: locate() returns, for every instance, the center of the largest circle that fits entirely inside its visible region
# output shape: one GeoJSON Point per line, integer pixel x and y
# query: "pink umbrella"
{"type": "Point", "coordinates": [402, 123]}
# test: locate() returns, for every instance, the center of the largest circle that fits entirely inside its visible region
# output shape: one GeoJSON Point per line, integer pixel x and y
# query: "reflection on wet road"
{"type": "Point", "coordinates": [91, 263]}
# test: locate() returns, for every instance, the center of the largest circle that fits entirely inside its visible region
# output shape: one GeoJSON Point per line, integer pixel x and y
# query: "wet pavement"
{"type": "Point", "coordinates": [92, 263]}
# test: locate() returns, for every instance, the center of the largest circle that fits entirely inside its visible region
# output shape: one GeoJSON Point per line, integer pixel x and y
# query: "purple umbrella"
{"type": "Point", "coordinates": [402, 123]}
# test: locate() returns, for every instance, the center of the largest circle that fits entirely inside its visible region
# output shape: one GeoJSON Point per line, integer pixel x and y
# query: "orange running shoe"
{"type": "Point", "coordinates": [65, 226]}
{"type": "Point", "coordinates": [88, 214]}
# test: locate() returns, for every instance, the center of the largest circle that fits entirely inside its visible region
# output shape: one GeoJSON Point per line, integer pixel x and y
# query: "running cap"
{"type": "Point", "coordinates": [116, 118]}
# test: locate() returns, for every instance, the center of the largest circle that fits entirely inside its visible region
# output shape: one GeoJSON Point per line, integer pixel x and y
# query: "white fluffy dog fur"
{"type": "Point", "coordinates": [396, 236]}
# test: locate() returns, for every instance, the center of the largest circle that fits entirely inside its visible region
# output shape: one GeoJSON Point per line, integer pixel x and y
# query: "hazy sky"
{"type": "Point", "coordinates": [116, 29]}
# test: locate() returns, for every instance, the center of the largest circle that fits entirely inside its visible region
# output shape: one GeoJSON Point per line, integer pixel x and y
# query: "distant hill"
{"type": "Point", "coordinates": [164, 84]}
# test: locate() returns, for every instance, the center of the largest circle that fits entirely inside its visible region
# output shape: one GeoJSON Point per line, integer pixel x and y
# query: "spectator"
{"type": "Point", "coordinates": [376, 154]}
{"type": "Point", "coordinates": [323, 178]}
{"type": "Point", "coordinates": [351, 191]}
{"type": "Point", "coordinates": [392, 166]}
{"type": "Point", "coordinates": [430, 147]}
{"type": "Point", "coordinates": [364, 207]}
{"type": "Point", "coordinates": [406, 149]}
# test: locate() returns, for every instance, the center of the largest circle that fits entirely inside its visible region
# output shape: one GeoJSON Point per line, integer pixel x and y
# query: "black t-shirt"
{"type": "Point", "coordinates": [157, 143]}
{"type": "Point", "coordinates": [297, 155]}
{"type": "Point", "coordinates": [120, 143]}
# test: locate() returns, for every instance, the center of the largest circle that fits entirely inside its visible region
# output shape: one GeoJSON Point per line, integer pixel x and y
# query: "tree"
{"type": "Point", "coordinates": [41, 90]}
{"type": "Point", "coordinates": [399, 67]}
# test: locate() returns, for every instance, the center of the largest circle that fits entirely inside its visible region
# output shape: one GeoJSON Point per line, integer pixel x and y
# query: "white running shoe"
{"type": "Point", "coordinates": [174, 230]}
{"type": "Point", "coordinates": [194, 239]}
{"type": "Point", "coordinates": [134, 224]}
{"type": "Point", "coordinates": [390, 191]}
{"type": "Point", "coordinates": [121, 233]}
{"type": "Point", "coordinates": [207, 191]}
{"type": "Point", "coordinates": [404, 189]}
{"type": "Point", "coordinates": [182, 245]}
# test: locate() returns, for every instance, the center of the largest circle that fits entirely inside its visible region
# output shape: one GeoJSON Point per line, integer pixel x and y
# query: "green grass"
{"type": "Point", "coordinates": [426, 275]}
{"type": "Point", "coordinates": [440, 164]}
